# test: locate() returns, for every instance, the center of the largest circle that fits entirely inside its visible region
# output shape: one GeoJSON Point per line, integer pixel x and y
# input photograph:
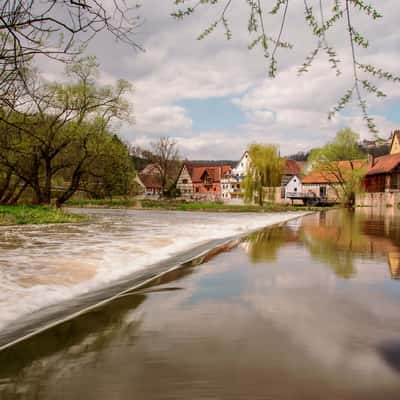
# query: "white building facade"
{"type": "Point", "coordinates": [293, 186]}
{"type": "Point", "coordinates": [231, 183]}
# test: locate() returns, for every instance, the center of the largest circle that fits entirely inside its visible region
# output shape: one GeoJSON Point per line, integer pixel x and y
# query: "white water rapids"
{"type": "Point", "coordinates": [42, 265]}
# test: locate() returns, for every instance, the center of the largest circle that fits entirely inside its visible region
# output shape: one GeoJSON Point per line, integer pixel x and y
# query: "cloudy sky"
{"type": "Point", "coordinates": [215, 97]}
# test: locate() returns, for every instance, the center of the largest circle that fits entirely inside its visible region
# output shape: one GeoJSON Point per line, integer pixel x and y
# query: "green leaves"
{"type": "Point", "coordinates": [378, 72]}
{"type": "Point", "coordinates": [367, 8]}
{"type": "Point", "coordinates": [207, 31]}
{"type": "Point", "coordinates": [265, 171]}
{"type": "Point", "coordinates": [339, 161]}
{"type": "Point", "coordinates": [343, 101]}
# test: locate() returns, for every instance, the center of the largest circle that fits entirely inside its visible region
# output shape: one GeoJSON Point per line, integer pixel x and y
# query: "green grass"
{"type": "Point", "coordinates": [219, 207]}
{"type": "Point", "coordinates": [18, 215]}
{"type": "Point", "coordinates": [114, 203]}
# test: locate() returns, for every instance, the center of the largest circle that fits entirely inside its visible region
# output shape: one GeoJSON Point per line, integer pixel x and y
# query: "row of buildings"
{"type": "Point", "coordinates": [223, 182]}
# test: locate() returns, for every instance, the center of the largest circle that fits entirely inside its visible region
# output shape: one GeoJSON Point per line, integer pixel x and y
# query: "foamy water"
{"type": "Point", "coordinates": [47, 264]}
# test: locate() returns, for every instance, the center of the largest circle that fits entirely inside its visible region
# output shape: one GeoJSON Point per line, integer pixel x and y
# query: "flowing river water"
{"type": "Point", "coordinates": [308, 309]}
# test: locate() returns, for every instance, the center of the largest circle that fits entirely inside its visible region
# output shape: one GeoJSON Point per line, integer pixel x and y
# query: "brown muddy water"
{"type": "Point", "coordinates": [306, 310]}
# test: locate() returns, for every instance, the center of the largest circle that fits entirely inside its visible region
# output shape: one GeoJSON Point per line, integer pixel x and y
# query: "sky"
{"type": "Point", "coordinates": [214, 96]}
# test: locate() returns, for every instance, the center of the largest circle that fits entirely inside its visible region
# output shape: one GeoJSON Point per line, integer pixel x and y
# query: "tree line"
{"type": "Point", "coordinates": [57, 138]}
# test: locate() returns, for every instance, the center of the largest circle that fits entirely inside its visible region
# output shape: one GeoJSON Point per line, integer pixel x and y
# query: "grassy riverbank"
{"type": "Point", "coordinates": [19, 215]}
{"type": "Point", "coordinates": [103, 203]}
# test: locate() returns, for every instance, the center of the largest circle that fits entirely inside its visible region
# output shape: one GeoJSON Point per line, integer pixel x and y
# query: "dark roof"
{"type": "Point", "coordinates": [150, 181]}
{"type": "Point", "coordinates": [384, 164]}
{"type": "Point", "coordinates": [292, 167]}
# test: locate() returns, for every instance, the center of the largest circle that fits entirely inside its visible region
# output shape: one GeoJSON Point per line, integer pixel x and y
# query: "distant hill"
{"type": "Point", "coordinates": [376, 148]}
{"type": "Point", "coordinates": [139, 163]}
{"type": "Point", "coordinates": [299, 156]}
{"type": "Point", "coordinates": [213, 162]}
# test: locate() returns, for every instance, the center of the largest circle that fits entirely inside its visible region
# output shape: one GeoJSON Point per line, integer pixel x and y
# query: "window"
{"type": "Point", "coordinates": [184, 181]}
{"type": "Point", "coordinates": [197, 190]}
{"type": "Point", "coordinates": [395, 181]}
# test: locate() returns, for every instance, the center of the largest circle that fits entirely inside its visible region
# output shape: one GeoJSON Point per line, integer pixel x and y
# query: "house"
{"type": "Point", "coordinates": [293, 186]}
{"type": "Point", "coordinates": [184, 181]}
{"type": "Point", "coordinates": [291, 180]}
{"type": "Point", "coordinates": [326, 183]}
{"type": "Point", "coordinates": [231, 181]}
{"type": "Point", "coordinates": [383, 174]}
{"type": "Point", "coordinates": [201, 181]}
{"type": "Point", "coordinates": [151, 169]}
{"type": "Point", "coordinates": [140, 186]}
{"type": "Point", "coordinates": [151, 183]}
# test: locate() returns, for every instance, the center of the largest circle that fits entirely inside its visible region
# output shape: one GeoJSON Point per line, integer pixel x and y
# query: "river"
{"type": "Point", "coordinates": [304, 310]}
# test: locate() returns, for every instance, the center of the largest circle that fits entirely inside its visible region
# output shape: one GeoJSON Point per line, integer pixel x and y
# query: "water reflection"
{"type": "Point", "coordinates": [263, 246]}
{"type": "Point", "coordinates": [25, 367]}
{"type": "Point", "coordinates": [286, 329]}
{"type": "Point", "coordinates": [32, 362]}
{"type": "Point", "coordinates": [337, 239]}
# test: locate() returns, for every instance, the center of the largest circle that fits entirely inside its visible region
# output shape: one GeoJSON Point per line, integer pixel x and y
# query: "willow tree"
{"type": "Point", "coordinates": [265, 172]}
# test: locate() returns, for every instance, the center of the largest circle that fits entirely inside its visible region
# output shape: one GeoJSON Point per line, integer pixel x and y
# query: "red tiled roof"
{"type": "Point", "coordinates": [292, 167]}
{"type": "Point", "coordinates": [215, 172]}
{"type": "Point", "coordinates": [150, 181]}
{"type": "Point", "coordinates": [325, 176]}
{"type": "Point", "coordinates": [384, 164]}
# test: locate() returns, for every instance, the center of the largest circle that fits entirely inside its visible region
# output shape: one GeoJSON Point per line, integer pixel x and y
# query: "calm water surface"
{"type": "Point", "coordinates": [308, 310]}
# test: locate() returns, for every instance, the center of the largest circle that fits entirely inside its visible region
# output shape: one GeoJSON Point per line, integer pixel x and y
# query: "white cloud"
{"type": "Point", "coordinates": [289, 110]}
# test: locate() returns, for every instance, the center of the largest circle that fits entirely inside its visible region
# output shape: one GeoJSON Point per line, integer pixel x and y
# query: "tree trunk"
{"type": "Point", "coordinates": [5, 185]}
{"type": "Point", "coordinates": [73, 187]}
{"type": "Point", "coordinates": [46, 195]}
{"type": "Point", "coordinates": [15, 199]}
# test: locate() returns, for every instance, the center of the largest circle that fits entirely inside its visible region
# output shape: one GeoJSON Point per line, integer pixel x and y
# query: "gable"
{"type": "Point", "coordinates": [395, 145]}
{"type": "Point", "coordinates": [184, 177]}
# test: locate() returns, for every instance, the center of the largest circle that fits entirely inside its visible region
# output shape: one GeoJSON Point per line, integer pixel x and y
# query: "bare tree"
{"type": "Point", "coordinates": [165, 156]}
{"type": "Point", "coordinates": [58, 29]}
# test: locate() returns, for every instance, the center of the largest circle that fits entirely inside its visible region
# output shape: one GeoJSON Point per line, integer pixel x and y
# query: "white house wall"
{"type": "Point", "coordinates": [184, 183]}
{"type": "Point", "coordinates": [293, 186]}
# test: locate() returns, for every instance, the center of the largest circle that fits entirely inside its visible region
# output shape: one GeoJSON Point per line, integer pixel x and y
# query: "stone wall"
{"type": "Point", "coordinates": [378, 199]}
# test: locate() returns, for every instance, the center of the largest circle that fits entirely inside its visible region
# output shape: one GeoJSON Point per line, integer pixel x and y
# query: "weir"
{"type": "Point", "coordinates": [55, 314]}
